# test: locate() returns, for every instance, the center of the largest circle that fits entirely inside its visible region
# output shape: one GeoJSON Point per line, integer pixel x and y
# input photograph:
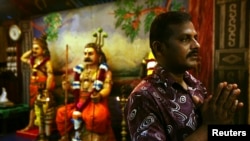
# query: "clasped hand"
{"type": "Point", "coordinates": [220, 107]}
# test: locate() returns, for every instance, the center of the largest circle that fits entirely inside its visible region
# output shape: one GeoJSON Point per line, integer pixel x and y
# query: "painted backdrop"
{"type": "Point", "coordinates": [75, 28]}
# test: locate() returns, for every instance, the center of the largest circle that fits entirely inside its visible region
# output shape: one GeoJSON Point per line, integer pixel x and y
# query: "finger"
{"type": "Point", "coordinates": [222, 99]}
{"type": "Point", "coordinates": [218, 91]}
{"type": "Point", "coordinates": [224, 95]}
{"type": "Point", "coordinates": [196, 100]}
{"type": "Point", "coordinates": [231, 99]}
{"type": "Point", "coordinates": [240, 105]}
{"type": "Point", "coordinates": [206, 102]}
{"type": "Point", "coordinates": [232, 110]}
{"type": "Point", "coordinates": [235, 86]}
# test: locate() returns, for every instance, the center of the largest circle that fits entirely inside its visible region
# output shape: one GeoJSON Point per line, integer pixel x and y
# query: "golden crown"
{"type": "Point", "coordinates": [100, 35]}
{"type": "Point", "coordinates": [41, 40]}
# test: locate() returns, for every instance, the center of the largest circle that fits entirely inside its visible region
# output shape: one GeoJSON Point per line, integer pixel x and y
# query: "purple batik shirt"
{"type": "Point", "coordinates": [159, 109]}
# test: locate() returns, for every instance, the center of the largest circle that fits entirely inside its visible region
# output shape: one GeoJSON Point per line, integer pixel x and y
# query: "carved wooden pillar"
{"type": "Point", "coordinates": [27, 37]}
{"type": "Point", "coordinates": [231, 44]}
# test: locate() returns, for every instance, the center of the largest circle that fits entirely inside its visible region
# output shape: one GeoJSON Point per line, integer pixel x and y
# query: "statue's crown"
{"type": "Point", "coordinates": [100, 35]}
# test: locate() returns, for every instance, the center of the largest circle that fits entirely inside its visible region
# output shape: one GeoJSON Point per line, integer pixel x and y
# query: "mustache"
{"type": "Point", "coordinates": [88, 60]}
{"type": "Point", "coordinates": [193, 52]}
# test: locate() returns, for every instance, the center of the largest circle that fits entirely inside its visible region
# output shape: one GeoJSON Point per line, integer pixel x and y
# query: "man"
{"type": "Point", "coordinates": [41, 79]}
{"type": "Point", "coordinates": [170, 104]}
{"type": "Point", "coordinates": [89, 114]}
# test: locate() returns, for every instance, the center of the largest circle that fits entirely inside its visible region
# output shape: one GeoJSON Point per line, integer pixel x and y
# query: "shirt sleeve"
{"type": "Point", "coordinates": [143, 118]}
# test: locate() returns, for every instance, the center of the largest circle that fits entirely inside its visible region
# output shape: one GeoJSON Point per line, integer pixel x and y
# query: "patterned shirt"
{"type": "Point", "coordinates": [159, 109]}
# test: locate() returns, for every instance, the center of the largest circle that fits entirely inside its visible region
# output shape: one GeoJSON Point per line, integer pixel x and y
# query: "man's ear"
{"type": "Point", "coordinates": [156, 46]}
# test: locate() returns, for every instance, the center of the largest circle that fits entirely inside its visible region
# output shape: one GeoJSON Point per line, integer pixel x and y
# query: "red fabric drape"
{"type": "Point", "coordinates": [202, 16]}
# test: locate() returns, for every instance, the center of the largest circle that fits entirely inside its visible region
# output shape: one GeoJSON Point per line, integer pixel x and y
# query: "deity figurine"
{"type": "Point", "coordinates": [4, 101]}
{"type": "Point", "coordinates": [148, 64]}
{"type": "Point", "coordinates": [89, 114]}
{"type": "Point", "coordinates": [3, 97]}
{"type": "Point", "coordinates": [41, 85]}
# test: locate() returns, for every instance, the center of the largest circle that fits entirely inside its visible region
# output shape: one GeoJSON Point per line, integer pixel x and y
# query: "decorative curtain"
{"type": "Point", "coordinates": [202, 16]}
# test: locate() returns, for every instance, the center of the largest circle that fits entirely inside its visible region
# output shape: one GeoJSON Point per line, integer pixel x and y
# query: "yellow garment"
{"type": "Point", "coordinates": [38, 113]}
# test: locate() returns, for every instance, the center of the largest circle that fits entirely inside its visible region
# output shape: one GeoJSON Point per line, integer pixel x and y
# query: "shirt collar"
{"type": "Point", "coordinates": [164, 76]}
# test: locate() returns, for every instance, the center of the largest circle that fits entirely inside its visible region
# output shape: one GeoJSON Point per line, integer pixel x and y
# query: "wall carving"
{"type": "Point", "coordinates": [231, 48]}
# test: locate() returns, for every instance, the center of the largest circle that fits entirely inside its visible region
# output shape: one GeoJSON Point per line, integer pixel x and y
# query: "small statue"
{"type": "Point", "coordinates": [44, 111]}
{"type": "Point", "coordinates": [148, 65]}
{"type": "Point", "coordinates": [4, 101]}
{"type": "Point", "coordinates": [3, 97]}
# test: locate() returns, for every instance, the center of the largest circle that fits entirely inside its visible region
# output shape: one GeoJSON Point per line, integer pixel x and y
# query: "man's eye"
{"type": "Point", "coordinates": [185, 39]}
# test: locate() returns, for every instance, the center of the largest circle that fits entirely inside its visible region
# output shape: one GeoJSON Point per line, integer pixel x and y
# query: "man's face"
{"type": "Point", "coordinates": [90, 56]}
{"type": "Point", "coordinates": [37, 50]}
{"type": "Point", "coordinates": [181, 50]}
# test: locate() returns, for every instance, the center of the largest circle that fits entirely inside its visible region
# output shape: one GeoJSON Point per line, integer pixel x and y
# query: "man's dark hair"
{"type": "Point", "coordinates": [160, 29]}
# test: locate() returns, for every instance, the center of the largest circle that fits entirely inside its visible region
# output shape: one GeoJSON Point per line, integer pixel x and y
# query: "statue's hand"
{"type": "Point", "coordinates": [65, 85]}
{"type": "Point", "coordinates": [96, 97]}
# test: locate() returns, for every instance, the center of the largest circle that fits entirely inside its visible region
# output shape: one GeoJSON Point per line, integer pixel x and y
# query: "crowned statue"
{"type": "Point", "coordinates": [40, 88]}
{"type": "Point", "coordinates": [88, 117]}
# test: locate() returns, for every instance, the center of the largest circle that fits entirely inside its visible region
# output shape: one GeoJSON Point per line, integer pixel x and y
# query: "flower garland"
{"type": "Point", "coordinates": [97, 85]}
